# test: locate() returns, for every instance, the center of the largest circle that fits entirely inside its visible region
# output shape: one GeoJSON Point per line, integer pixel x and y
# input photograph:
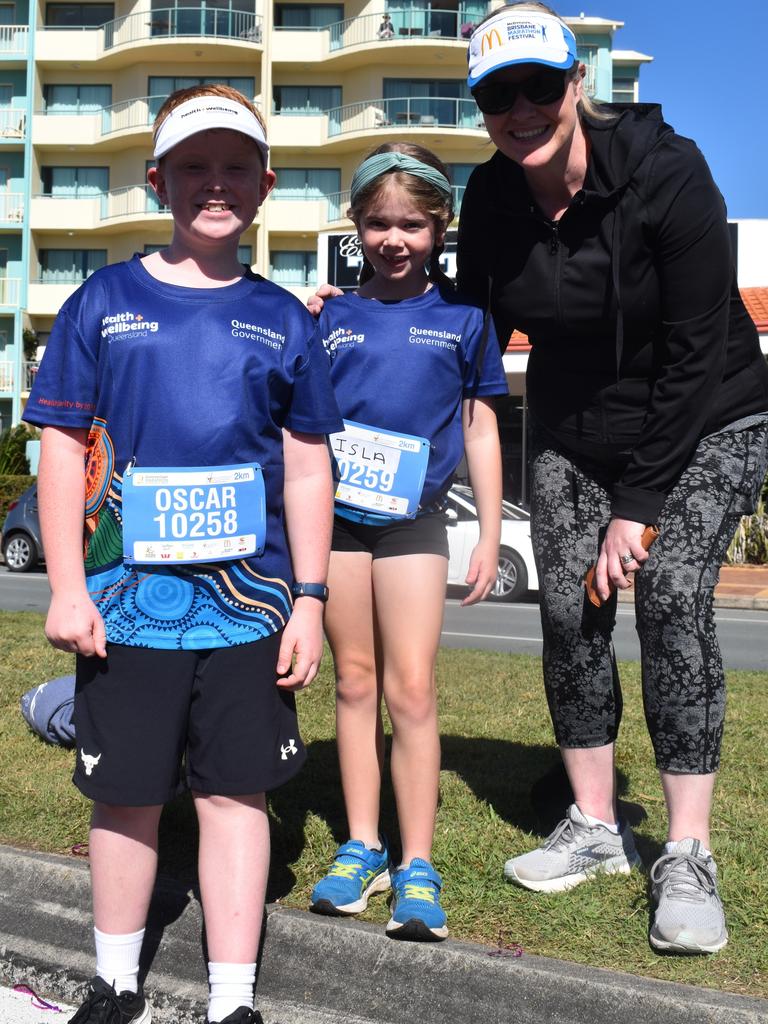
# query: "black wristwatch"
{"type": "Point", "coordinates": [318, 590]}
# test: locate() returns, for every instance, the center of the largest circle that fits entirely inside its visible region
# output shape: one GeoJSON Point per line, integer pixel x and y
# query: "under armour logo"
{"type": "Point", "coordinates": [289, 748]}
{"type": "Point", "coordinates": [89, 761]}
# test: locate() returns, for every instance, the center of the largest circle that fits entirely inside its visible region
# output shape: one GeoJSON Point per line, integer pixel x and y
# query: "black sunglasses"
{"type": "Point", "coordinates": [545, 86]}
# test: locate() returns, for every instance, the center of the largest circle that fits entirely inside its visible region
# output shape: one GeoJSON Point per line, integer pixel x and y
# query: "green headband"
{"type": "Point", "coordinates": [381, 163]}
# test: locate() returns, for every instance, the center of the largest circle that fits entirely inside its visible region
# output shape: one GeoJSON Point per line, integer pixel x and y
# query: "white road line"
{"type": "Point", "coordinates": [496, 636]}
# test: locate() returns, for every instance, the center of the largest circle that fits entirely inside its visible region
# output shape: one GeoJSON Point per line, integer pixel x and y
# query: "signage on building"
{"type": "Point", "coordinates": [340, 257]}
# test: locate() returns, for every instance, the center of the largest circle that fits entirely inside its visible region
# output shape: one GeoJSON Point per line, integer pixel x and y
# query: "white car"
{"type": "Point", "coordinates": [517, 571]}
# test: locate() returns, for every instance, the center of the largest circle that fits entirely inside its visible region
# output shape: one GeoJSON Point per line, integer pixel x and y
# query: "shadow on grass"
{"type": "Point", "coordinates": [525, 784]}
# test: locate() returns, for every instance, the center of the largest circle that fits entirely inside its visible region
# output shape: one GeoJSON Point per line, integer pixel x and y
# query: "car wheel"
{"type": "Point", "coordinates": [19, 552]}
{"type": "Point", "coordinates": [511, 579]}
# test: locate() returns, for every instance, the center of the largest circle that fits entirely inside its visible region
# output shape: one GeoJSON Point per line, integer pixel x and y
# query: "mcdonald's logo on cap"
{"type": "Point", "coordinates": [488, 37]}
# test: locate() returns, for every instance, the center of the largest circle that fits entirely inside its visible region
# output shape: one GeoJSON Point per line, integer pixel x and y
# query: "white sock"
{"type": "Point", "coordinates": [671, 847]}
{"type": "Point", "coordinates": [231, 986]}
{"type": "Point", "coordinates": [117, 959]}
{"type": "Point", "coordinates": [611, 826]}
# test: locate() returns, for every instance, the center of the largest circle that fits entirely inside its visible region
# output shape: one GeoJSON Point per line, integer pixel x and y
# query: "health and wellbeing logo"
{"type": "Point", "coordinates": [342, 337]}
{"type": "Point", "coordinates": [124, 326]}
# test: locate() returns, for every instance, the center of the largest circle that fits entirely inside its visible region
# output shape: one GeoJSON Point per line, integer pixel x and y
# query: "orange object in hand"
{"type": "Point", "coordinates": [649, 536]}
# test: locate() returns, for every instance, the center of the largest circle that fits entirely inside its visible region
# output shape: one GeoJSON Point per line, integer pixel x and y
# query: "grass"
{"type": "Point", "coordinates": [496, 746]}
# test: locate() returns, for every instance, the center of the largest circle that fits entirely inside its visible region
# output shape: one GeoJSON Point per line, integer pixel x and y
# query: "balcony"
{"type": "Point", "coordinates": [28, 374]}
{"type": "Point", "coordinates": [124, 40]}
{"type": "Point", "coordinates": [419, 115]}
{"type": "Point", "coordinates": [46, 299]}
{"type": "Point", "coordinates": [103, 210]}
{"type": "Point", "coordinates": [7, 376]}
{"type": "Point", "coordinates": [14, 42]}
{"type": "Point", "coordinates": [10, 290]}
{"type": "Point", "coordinates": [405, 29]}
{"type": "Point", "coordinates": [313, 213]}
{"type": "Point", "coordinates": [11, 209]}
{"type": "Point", "coordinates": [13, 125]}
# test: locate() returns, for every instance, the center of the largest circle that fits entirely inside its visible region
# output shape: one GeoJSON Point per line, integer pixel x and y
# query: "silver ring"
{"type": "Point", "coordinates": [626, 559]}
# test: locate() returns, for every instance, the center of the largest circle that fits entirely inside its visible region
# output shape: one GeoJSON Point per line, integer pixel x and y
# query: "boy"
{"type": "Point", "coordinates": [184, 403]}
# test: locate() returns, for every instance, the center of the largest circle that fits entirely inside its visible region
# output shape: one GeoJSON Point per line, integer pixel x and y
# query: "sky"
{"type": "Point", "coordinates": [710, 74]}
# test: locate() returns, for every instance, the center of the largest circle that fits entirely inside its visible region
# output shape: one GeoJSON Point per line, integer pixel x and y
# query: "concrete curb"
{"type": "Point", "coordinates": [328, 970]}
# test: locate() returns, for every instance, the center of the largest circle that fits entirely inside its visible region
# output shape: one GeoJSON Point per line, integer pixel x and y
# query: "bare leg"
{"type": "Point", "coordinates": [593, 779]}
{"type": "Point", "coordinates": [689, 804]}
{"type": "Point", "coordinates": [410, 593]}
{"type": "Point", "coordinates": [233, 863]}
{"type": "Point", "coordinates": [123, 856]}
{"type": "Point", "coordinates": [359, 730]}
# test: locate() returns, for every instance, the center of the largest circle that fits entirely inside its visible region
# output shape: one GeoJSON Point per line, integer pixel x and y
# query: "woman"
{"type": "Point", "coordinates": [600, 233]}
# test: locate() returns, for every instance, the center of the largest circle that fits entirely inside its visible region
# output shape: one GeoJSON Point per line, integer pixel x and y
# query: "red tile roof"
{"type": "Point", "coordinates": [755, 299]}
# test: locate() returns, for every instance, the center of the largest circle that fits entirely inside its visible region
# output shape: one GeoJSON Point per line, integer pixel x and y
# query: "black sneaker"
{"type": "Point", "coordinates": [242, 1015]}
{"type": "Point", "coordinates": [105, 1006]}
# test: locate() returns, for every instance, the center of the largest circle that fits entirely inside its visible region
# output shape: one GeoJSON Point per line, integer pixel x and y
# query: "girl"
{"type": "Point", "coordinates": [414, 372]}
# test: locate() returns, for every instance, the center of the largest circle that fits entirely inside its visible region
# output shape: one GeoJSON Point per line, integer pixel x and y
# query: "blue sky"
{"type": "Point", "coordinates": [710, 74]}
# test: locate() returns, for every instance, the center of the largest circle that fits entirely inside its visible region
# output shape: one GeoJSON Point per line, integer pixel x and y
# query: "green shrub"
{"type": "Point", "coordinates": [12, 487]}
{"type": "Point", "coordinates": [13, 455]}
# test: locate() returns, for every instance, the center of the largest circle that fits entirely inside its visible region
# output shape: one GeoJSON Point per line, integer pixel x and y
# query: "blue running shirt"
{"type": "Point", "coordinates": [407, 366]}
{"type": "Point", "coordinates": [171, 376]}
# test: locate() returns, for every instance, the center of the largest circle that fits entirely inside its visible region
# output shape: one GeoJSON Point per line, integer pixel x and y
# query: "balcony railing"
{"type": "Point", "coordinates": [403, 25]}
{"type": "Point", "coordinates": [28, 374]}
{"type": "Point", "coordinates": [130, 201]}
{"type": "Point", "coordinates": [13, 39]}
{"type": "Point", "coordinates": [10, 289]}
{"type": "Point", "coordinates": [7, 375]}
{"type": "Point", "coordinates": [406, 112]}
{"type": "Point", "coordinates": [138, 112]}
{"type": "Point", "coordinates": [11, 208]}
{"type": "Point", "coordinates": [180, 22]}
{"type": "Point", "coordinates": [13, 123]}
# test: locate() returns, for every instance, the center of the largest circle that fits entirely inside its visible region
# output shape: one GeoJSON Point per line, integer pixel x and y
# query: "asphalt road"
{"type": "Point", "coordinates": [492, 627]}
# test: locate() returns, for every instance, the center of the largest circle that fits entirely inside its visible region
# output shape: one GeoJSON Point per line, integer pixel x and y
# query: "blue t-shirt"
{"type": "Point", "coordinates": [407, 366]}
{"type": "Point", "coordinates": [165, 376]}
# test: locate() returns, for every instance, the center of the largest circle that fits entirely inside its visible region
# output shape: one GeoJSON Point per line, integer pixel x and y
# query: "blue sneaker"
{"type": "Point", "coordinates": [416, 910]}
{"type": "Point", "coordinates": [356, 873]}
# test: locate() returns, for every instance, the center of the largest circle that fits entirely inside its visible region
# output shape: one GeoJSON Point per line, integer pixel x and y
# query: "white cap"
{"type": "Point", "coordinates": [519, 37]}
{"type": "Point", "coordinates": [204, 112]}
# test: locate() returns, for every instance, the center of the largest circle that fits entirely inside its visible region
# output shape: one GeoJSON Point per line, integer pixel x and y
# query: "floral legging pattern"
{"type": "Point", "coordinates": [682, 670]}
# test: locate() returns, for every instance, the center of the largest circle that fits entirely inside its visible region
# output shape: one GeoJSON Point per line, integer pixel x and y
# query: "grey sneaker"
{"type": "Point", "coordinates": [575, 852]}
{"type": "Point", "coordinates": [689, 916]}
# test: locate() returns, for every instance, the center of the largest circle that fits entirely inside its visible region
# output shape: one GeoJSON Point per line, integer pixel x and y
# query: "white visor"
{"type": "Point", "coordinates": [205, 112]}
{"type": "Point", "coordinates": [519, 37]}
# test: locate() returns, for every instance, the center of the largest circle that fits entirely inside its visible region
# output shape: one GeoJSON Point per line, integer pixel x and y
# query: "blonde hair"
{"type": "Point", "coordinates": [193, 91]}
{"type": "Point", "coordinates": [587, 106]}
{"type": "Point", "coordinates": [428, 199]}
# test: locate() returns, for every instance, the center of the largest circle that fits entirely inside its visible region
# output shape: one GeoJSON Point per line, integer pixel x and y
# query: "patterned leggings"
{"type": "Point", "coordinates": [682, 670]}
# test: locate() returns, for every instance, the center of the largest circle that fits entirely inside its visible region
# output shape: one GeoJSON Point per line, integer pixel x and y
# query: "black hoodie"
{"type": "Point", "coordinates": [640, 341]}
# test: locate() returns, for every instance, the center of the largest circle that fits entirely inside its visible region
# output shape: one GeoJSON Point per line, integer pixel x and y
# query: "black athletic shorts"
{"type": "Point", "coordinates": [145, 718]}
{"type": "Point", "coordinates": [425, 535]}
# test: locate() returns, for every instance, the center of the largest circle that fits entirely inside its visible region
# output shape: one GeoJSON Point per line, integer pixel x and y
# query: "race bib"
{"type": "Point", "coordinates": [379, 470]}
{"type": "Point", "coordinates": [193, 513]}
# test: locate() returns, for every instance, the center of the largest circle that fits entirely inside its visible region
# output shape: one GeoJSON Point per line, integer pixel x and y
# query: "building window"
{"type": "Point", "coordinates": [307, 15]}
{"type": "Point", "coordinates": [70, 266]}
{"type": "Point", "coordinates": [76, 99]}
{"type": "Point", "coordinates": [75, 182]}
{"type": "Point", "coordinates": [245, 255]}
{"type": "Point", "coordinates": [623, 89]}
{"type": "Point", "coordinates": [232, 18]}
{"type": "Point", "coordinates": [430, 102]}
{"type": "Point", "coordinates": [459, 176]}
{"type": "Point", "coordinates": [305, 99]}
{"type": "Point", "coordinates": [160, 87]}
{"type": "Point", "coordinates": [306, 182]}
{"type": "Point", "coordinates": [75, 15]}
{"type": "Point", "coordinates": [293, 269]}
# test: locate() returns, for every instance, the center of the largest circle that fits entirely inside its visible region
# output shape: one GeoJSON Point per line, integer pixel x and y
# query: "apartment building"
{"type": "Point", "coordinates": [81, 81]}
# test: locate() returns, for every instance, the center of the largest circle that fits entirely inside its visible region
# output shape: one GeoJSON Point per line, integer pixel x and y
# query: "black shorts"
{"type": "Point", "coordinates": [425, 535]}
{"type": "Point", "coordinates": [142, 714]}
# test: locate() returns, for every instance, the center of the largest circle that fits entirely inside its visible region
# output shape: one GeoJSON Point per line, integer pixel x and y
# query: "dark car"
{"type": "Point", "coordinates": [22, 546]}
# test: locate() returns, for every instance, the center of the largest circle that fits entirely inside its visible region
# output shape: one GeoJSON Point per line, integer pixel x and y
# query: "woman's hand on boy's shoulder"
{"type": "Point", "coordinates": [316, 302]}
